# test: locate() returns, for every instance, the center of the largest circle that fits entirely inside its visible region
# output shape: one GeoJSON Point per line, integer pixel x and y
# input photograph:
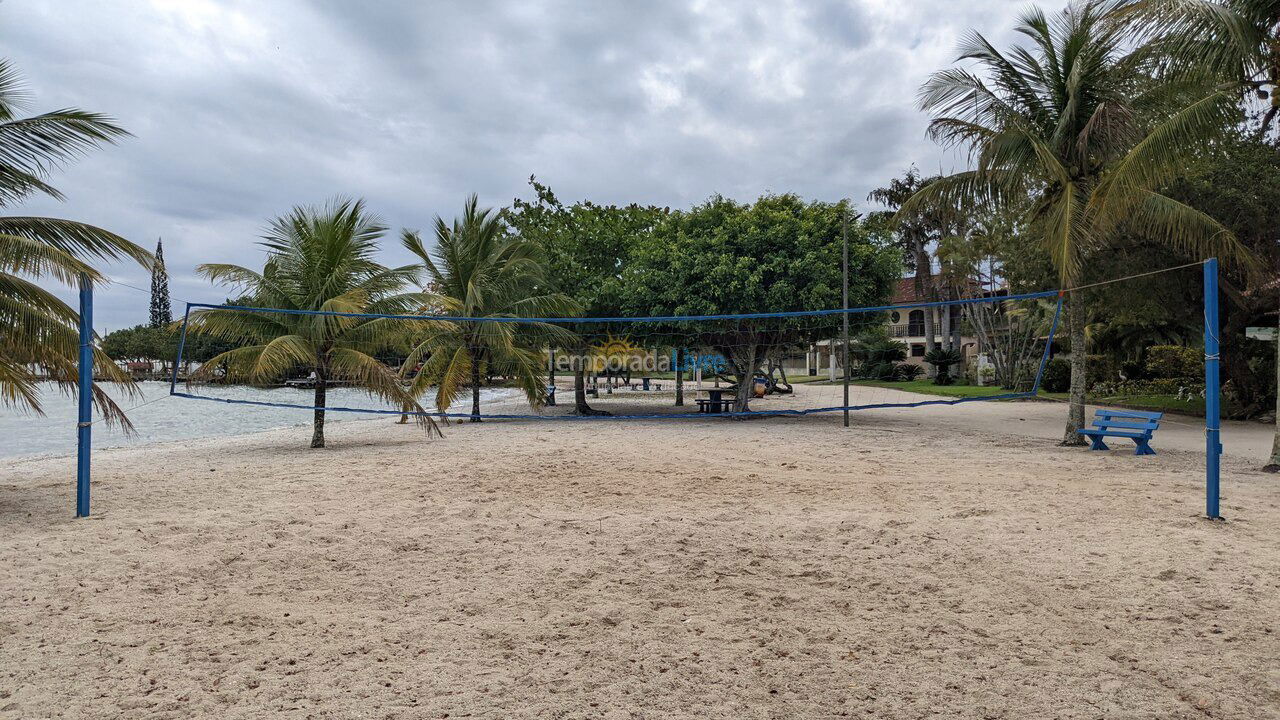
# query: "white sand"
{"type": "Point", "coordinates": [942, 562]}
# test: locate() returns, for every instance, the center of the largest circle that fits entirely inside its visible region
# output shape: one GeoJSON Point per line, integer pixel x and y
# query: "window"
{"type": "Point", "coordinates": [896, 317]}
{"type": "Point", "coordinates": [917, 350]}
{"type": "Point", "coordinates": [915, 323]}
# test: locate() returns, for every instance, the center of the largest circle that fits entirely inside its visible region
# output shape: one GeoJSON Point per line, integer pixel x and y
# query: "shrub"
{"type": "Point", "coordinates": [1102, 368]}
{"type": "Point", "coordinates": [884, 371]}
{"type": "Point", "coordinates": [871, 350]}
{"type": "Point", "coordinates": [909, 371]}
{"type": "Point", "coordinates": [1057, 376]}
{"type": "Point", "coordinates": [1182, 388]}
{"type": "Point", "coordinates": [1134, 370]}
{"type": "Point", "coordinates": [1174, 361]}
{"type": "Point", "coordinates": [943, 360]}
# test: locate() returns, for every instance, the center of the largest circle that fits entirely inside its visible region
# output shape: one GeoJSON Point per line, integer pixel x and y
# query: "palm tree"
{"type": "Point", "coordinates": [318, 260]}
{"type": "Point", "coordinates": [1076, 125]}
{"type": "Point", "coordinates": [38, 332]}
{"type": "Point", "coordinates": [479, 270]}
{"type": "Point", "coordinates": [1232, 41]}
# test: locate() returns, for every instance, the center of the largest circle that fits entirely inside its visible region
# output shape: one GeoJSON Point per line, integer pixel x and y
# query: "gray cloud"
{"type": "Point", "coordinates": [243, 109]}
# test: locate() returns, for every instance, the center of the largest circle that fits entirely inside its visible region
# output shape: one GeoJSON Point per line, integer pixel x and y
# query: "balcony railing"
{"type": "Point", "coordinates": [907, 330]}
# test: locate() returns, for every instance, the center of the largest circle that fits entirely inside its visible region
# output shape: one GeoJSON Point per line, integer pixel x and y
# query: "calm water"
{"type": "Point", "coordinates": [172, 418]}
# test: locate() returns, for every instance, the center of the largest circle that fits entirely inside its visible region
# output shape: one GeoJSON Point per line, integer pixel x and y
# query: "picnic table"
{"type": "Point", "coordinates": [716, 402]}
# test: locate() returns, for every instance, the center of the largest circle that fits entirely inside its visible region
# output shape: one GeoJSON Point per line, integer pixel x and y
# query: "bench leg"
{"type": "Point", "coordinates": [1097, 443]}
{"type": "Point", "coordinates": [1144, 447]}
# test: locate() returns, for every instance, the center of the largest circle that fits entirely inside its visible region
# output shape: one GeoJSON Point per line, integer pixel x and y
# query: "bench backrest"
{"type": "Point", "coordinates": [1130, 420]}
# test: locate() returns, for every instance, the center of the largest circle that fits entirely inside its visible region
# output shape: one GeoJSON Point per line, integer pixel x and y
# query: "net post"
{"type": "Point", "coordinates": [844, 234]}
{"type": "Point", "coordinates": [84, 427]}
{"type": "Point", "coordinates": [182, 343]}
{"type": "Point", "coordinates": [1212, 405]}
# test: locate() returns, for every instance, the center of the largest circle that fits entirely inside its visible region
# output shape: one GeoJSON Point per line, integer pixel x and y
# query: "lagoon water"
{"type": "Point", "coordinates": [157, 417]}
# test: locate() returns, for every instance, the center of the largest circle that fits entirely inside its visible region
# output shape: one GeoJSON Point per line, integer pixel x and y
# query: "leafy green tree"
{"type": "Point", "coordinates": [39, 336]}
{"type": "Point", "coordinates": [144, 342]}
{"type": "Point", "coordinates": [1074, 130]}
{"type": "Point", "coordinates": [479, 270]}
{"type": "Point", "coordinates": [587, 248]}
{"type": "Point", "coordinates": [1238, 180]}
{"type": "Point", "coordinates": [141, 342]}
{"type": "Point", "coordinates": [318, 259]}
{"type": "Point", "coordinates": [778, 254]}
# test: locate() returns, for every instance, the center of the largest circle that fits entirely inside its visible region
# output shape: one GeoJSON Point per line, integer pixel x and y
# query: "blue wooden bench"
{"type": "Point", "coordinates": [1133, 424]}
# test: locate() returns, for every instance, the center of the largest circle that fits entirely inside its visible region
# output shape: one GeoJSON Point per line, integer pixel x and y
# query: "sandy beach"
{"type": "Point", "coordinates": [947, 562]}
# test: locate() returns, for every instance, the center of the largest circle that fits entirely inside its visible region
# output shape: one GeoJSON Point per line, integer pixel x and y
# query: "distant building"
{"type": "Point", "coordinates": [908, 325]}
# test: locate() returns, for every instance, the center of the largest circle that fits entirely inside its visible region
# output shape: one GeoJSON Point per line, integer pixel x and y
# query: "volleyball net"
{"type": "Point", "coordinates": [993, 346]}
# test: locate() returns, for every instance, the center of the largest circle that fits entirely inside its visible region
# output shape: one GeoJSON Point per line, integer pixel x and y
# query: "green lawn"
{"type": "Point", "coordinates": [1163, 403]}
{"type": "Point", "coordinates": [927, 387]}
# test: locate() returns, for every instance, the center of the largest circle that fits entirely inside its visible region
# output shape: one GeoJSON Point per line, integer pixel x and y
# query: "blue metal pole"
{"type": "Point", "coordinates": [1048, 344]}
{"type": "Point", "coordinates": [84, 429]}
{"type": "Point", "coordinates": [182, 343]}
{"type": "Point", "coordinates": [1212, 407]}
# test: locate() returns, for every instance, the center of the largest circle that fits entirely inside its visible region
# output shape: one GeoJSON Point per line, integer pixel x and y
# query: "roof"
{"type": "Point", "coordinates": [904, 293]}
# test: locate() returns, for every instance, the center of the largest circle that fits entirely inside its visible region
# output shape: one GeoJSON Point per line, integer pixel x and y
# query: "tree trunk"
{"type": "Point", "coordinates": [317, 423]}
{"type": "Point", "coordinates": [580, 406]}
{"type": "Point", "coordinates": [745, 369]}
{"type": "Point", "coordinates": [475, 389]}
{"type": "Point", "coordinates": [551, 377]}
{"type": "Point", "coordinates": [1273, 465]}
{"type": "Point", "coordinates": [944, 317]}
{"type": "Point", "coordinates": [679, 377]}
{"type": "Point", "coordinates": [1079, 365]}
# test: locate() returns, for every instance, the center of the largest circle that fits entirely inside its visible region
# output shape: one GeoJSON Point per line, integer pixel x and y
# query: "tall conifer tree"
{"type": "Point", "coordinates": [161, 314]}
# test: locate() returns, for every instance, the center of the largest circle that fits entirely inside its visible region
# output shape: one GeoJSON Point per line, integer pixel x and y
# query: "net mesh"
{"type": "Point", "coordinates": [984, 348]}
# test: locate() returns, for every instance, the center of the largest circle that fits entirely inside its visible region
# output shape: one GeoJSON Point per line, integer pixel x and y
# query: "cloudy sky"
{"type": "Point", "coordinates": [244, 109]}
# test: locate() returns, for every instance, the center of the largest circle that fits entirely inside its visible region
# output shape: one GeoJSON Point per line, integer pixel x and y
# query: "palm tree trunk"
{"type": "Point", "coordinates": [924, 289]}
{"type": "Point", "coordinates": [944, 317]}
{"type": "Point", "coordinates": [679, 376]}
{"type": "Point", "coordinates": [475, 390]}
{"type": "Point", "coordinates": [1273, 465]}
{"type": "Point", "coordinates": [317, 432]}
{"type": "Point", "coordinates": [1079, 356]}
